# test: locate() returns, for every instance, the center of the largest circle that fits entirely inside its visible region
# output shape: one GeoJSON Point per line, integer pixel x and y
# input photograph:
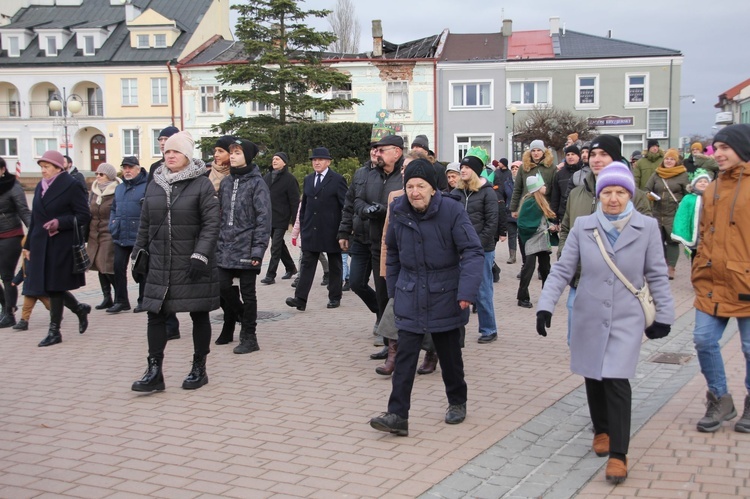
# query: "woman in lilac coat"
{"type": "Point", "coordinates": [608, 321]}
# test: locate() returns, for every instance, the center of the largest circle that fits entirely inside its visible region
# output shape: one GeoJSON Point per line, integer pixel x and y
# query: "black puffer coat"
{"type": "Point", "coordinates": [482, 208]}
{"type": "Point", "coordinates": [191, 225]}
{"type": "Point", "coordinates": [13, 206]}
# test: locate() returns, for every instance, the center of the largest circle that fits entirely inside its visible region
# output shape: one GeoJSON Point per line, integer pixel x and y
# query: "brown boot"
{"type": "Point", "coordinates": [670, 273]}
{"type": "Point", "coordinates": [601, 444]}
{"type": "Point", "coordinates": [390, 363]}
{"type": "Point", "coordinates": [617, 471]}
{"type": "Point", "coordinates": [429, 364]}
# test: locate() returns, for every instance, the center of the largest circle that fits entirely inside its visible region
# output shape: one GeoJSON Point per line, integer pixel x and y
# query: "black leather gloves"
{"type": "Point", "coordinates": [657, 330]}
{"type": "Point", "coordinates": [198, 269]}
{"type": "Point", "coordinates": [375, 210]}
{"type": "Point", "coordinates": [543, 318]}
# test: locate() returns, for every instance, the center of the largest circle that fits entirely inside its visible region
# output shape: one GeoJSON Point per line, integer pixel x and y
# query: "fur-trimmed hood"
{"type": "Point", "coordinates": [547, 160]}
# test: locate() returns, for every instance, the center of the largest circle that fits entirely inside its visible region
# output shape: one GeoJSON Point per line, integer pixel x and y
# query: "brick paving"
{"type": "Point", "coordinates": [291, 419]}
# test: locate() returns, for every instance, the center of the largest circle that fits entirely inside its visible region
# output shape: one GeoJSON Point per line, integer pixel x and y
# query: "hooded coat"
{"type": "Point", "coordinates": [190, 225]}
{"type": "Point", "coordinates": [125, 215]}
{"type": "Point", "coordinates": [545, 167]}
{"type": "Point", "coordinates": [645, 167]}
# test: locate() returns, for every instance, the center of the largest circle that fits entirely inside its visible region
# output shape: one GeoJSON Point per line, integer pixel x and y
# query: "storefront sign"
{"type": "Point", "coordinates": [611, 121]}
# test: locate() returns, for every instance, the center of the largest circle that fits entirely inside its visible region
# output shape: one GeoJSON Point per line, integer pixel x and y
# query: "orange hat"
{"type": "Point", "coordinates": [696, 145]}
{"type": "Point", "coordinates": [672, 153]}
{"type": "Point", "coordinates": [573, 137]}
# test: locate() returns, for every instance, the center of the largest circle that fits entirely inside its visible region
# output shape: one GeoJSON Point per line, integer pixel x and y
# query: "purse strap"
{"type": "Point", "coordinates": [77, 231]}
{"type": "Point", "coordinates": [612, 265]}
{"type": "Point", "coordinates": [666, 186]}
{"type": "Point", "coordinates": [169, 209]}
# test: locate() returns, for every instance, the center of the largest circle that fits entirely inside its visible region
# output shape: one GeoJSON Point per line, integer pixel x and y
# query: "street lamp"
{"type": "Point", "coordinates": [513, 111]}
{"type": "Point", "coordinates": [72, 103]}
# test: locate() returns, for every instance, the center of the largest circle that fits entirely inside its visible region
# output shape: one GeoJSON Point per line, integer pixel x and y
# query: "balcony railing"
{"type": "Point", "coordinates": [40, 109]}
{"type": "Point", "coordinates": [10, 109]}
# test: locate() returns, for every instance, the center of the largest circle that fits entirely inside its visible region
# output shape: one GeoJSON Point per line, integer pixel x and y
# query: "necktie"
{"type": "Point", "coordinates": [317, 180]}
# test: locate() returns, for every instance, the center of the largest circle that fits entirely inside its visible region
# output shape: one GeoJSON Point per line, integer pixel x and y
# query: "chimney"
{"type": "Point", "coordinates": [507, 27]}
{"type": "Point", "coordinates": [554, 26]}
{"type": "Point", "coordinates": [377, 38]}
{"type": "Point", "coordinates": [609, 34]}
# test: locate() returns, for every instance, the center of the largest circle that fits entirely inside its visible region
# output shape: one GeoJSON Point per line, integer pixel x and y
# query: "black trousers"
{"type": "Point", "coordinates": [156, 332]}
{"type": "Point", "coordinates": [10, 251]}
{"type": "Point", "coordinates": [610, 409]}
{"type": "Point", "coordinates": [279, 252]}
{"type": "Point", "coordinates": [360, 268]}
{"type": "Point", "coordinates": [122, 259]}
{"type": "Point", "coordinates": [58, 300]}
{"type": "Point", "coordinates": [448, 348]}
{"type": "Point", "coordinates": [381, 290]}
{"type": "Point", "coordinates": [234, 308]}
{"type": "Point", "coordinates": [527, 272]}
{"type": "Point", "coordinates": [308, 264]}
{"type": "Point", "coordinates": [512, 235]}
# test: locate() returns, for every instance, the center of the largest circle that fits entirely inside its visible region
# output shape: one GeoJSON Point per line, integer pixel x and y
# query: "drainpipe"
{"type": "Point", "coordinates": [669, 129]}
{"type": "Point", "coordinates": [435, 105]}
{"type": "Point", "coordinates": [171, 92]}
{"type": "Point", "coordinates": [181, 82]}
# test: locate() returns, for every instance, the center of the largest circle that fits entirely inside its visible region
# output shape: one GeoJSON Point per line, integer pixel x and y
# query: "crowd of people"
{"type": "Point", "coordinates": [415, 241]}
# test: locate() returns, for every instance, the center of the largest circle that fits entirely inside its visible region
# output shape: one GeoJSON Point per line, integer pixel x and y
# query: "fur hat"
{"type": "Point", "coordinates": [574, 149]}
{"type": "Point", "coordinates": [696, 145]}
{"type": "Point", "coordinates": [283, 157]}
{"type": "Point", "coordinates": [224, 142]}
{"type": "Point", "coordinates": [169, 131]}
{"type": "Point", "coordinates": [537, 144]}
{"type": "Point", "coordinates": [181, 142]}
{"type": "Point", "coordinates": [109, 170]}
{"type": "Point", "coordinates": [672, 153]}
{"type": "Point", "coordinates": [249, 150]}
{"type": "Point", "coordinates": [474, 163]}
{"type": "Point", "coordinates": [699, 174]}
{"type": "Point", "coordinates": [421, 141]}
{"type": "Point", "coordinates": [609, 144]}
{"type": "Point", "coordinates": [54, 158]}
{"type": "Point", "coordinates": [421, 168]}
{"type": "Point", "coordinates": [737, 137]}
{"type": "Point", "coordinates": [618, 174]}
{"type": "Point", "coordinates": [534, 183]}
{"type": "Point", "coordinates": [453, 167]}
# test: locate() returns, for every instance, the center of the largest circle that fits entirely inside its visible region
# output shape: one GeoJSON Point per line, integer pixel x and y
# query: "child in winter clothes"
{"type": "Point", "coordinates": [685, 225]}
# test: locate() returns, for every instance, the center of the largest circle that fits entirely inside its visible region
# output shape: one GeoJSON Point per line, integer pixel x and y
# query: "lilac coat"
{"type": "Point", "coordinates": [608, 321]}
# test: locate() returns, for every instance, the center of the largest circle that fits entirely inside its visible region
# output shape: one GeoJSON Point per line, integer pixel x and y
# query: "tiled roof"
{"type": "Point", "coordinates": [575, 45]}
{"type": "Point", "coordinates": [530, 45]}
{"type": "Point", "coordinates": [99, 13]}
{"type": "Point", "coordinates": [735, 90]}
{"type": "Point", "coordinates": [473, 47]}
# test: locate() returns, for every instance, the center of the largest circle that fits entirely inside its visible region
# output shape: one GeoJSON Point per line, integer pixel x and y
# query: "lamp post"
{"type": "Point", "coordinates": [72, 103]}
{"type": "Point", "coordinates": [513, 111]}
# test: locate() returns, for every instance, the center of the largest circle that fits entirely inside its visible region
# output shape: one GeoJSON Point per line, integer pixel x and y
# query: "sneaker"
{"type": "Point", "coordinates": [455, 413]}
{"type": "Point", "coordinates": [743, 425]}
{"type": "Point", "coordinates": [391, 423]}
{"type": "Point", "coordinates": [718, 410]}
{"type": "Point", "coordinates": [487, 338]}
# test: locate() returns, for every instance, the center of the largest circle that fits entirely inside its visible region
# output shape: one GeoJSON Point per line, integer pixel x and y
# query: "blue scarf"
{"type": "Point", "coordinates": [610, 222]}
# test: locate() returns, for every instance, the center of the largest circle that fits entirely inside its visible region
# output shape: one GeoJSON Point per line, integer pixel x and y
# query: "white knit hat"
{"type": "Point", "coordinates": [181, 142]}
{"type": "Point", "coordinates": [534, 183]}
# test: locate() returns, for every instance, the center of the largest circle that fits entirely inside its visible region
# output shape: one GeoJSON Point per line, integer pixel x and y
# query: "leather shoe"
{"type": "Point", "coordinates": [617, 471]}
{"type": "Point", "coordinates": [601, 444]}
{"type": "Point", "coordinates": [268, 280]}
{"type": "Point", "coordinates": [381, 355]}
{"type": "Point", "coordinates": [21, 325]}
{"type": "Point", "coordinates": [82, 311]}
{"type": "Point", "coordinates": [138, 309]}
{"type": "Point", "coordinates": [173, 335]}
{"type": "Point", "coordinates": [391, 423]}
{"type": "Point", "coordinates": [487, 338]}
{"type": "Point", "coordinates": [289, 275]}
{"type": "Point", "coordinates": [455, 413]}
{"type": "Point", "coordinates": [117, 308]}
{"type": "Point", "coordinates": [333, 304]}
{"type": "Point", "coordinates": [296, 303]}
{"type": "Point", "coordinates": [525, 304]}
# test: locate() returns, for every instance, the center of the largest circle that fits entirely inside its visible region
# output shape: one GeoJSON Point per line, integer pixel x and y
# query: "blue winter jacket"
{"type": "Point", "coordinates": [125, 215]}
{"type": "Point", "coordinates": [433, 260]}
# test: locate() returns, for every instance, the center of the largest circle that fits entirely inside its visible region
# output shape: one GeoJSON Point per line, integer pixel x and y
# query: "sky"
{"type": "Point", "coordinates": [712, 36]}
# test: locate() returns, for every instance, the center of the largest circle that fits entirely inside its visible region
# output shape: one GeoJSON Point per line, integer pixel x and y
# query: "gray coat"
{"type": "Point", "coordinates": [608, 321]}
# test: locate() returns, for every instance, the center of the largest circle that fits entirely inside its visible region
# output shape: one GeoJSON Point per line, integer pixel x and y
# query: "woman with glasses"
{"type": "Point", "coordinates": [100, 248]}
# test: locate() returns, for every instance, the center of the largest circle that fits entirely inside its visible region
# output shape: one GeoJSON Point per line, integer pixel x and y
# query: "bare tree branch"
{"type": "Point", "coordinates": [344, 23]}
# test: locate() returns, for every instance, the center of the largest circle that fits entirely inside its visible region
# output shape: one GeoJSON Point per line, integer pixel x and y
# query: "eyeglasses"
{"type": "Point", "coordinates": [381, 150]}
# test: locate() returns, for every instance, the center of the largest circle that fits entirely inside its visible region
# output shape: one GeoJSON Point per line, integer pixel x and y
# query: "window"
{"type": "Point", "coordinates": [631, 142]}
{"type": "Point", "coordinates": [130, 142]}
{"type": "Point", "coordinates": [88, 45]}
{"type": "Point", "coordinates": [160, 41]}
{"type": "Point", "coordinates": [466, 142]}
{"type": "Point", "coordinates": [636, 90]}
{"type": "Point", "coordinates": [209, 104]}
{"type": "Point", "coordinates": [43, 145]}
{"type": "Point", "coordinates": [342, 92]}
{"type": "Point", "coordinates": [530, 93]}
{"type": "Point", "coordinates": [587, 91]}
{"type": "Point", "coordinates": [260, 107]}
{"type": "Point", "coordinates": [95, 105]}
{"type": "Point", "coordinates": [397, 97]}
{"type": "Point", "coordinates": [9, 147]}
{"type": "Point", "coordinates": [142, 41]}
{"type": "Point", "coordinates": [475, 95]}
{"type": "Point", "coordinates": [14, 104]}
{"type": "Point", "coordinates": [158, 91]}
{"type": "Point", "coordinates": [658, 123]}
{"type": "Point", "coordinates": [14, 47]}
{"type": "Point", "coordinates": [51, 46]}
{"type": "Point", "coordinates": [129, 92]}
{"type": "Point", "coordinates": [155, 150]}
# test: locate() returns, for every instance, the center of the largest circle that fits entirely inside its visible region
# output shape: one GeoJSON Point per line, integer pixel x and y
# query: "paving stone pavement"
{"type": "Point", "coordinates": [291, 419]}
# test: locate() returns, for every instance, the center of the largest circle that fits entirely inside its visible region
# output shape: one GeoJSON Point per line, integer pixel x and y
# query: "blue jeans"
{"type": "Point", "coordinates": [569, 305]}
{"type": "Point", "coordinates": [708, 332]}
{"type": "Point", "coordinates": [485, 297]}
{"type": "Point", "coordinates": [345, 263]}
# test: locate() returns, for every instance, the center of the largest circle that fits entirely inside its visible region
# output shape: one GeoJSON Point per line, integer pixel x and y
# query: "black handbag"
{"type": "Point", "coordinates": [81, 260]}
{"type": "Point", "coordinates": [140, 260]}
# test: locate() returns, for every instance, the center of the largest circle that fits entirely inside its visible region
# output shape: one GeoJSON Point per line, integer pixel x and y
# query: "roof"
{"type": "Point", "coordinates": [535, 44]}
{"type": "Point", "coordinates": [735, 90]}
{"type": "Point", "coordinates": [474, 47]}
{"type": "Point", "coordinates": [96, 14]}
{"type": "Point", "coordinates": [575, 45]}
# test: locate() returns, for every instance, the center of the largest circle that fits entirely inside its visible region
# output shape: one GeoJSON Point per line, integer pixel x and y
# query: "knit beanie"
{"type": "Point", "coordinates": [737, 137]}
{"type": "Point", "coordinates": [181, 142]}
{"type": "Point", "coordinates": [609, 144]}
{"type": "Point", "coordinates": [421, 168]}
{"type": "Point", "coordinates": [574, 149]}
{"type": "Point", "coordinates": [517, 164]}
{"type": "Point", "coordinates": [534, 183]}
{"type": "Point", "coordinates": [169, 131]}
{"type": "Point", "coordinates": [586, 145]}
{"type": "Point", "coordinates": [672, 153]}
{"type": "Point", "coordinates": [617, 174]}
{"type": "Point", "coordinates": [109, 170]}
{"type": "Point", "coordinates": [224, 142]}
{"type": "Point", "coordinates": [249, 150]}
{"type": "Point", "coordinates": [421, 141]}
{"type": "Point", "coordinates": [537, 144]}
{"type": "Point", "coordinates": [474, 163]}
{"type": "Point", "coordinates": [699, 174]}
{"type": "Point", "coordinates": [453, 167]}
{"type": "Point", "coordinates": [696, 145]}
{"type": "Point", "coordinates": [283, 157]}
{"type": "Point", "coordinates": [573, 137]}
{"type": "Point", "coordinates": [651, 143]}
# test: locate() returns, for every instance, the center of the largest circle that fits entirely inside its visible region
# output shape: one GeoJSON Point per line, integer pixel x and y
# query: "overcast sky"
{"type": "Point", "coordinates": [712, 35]}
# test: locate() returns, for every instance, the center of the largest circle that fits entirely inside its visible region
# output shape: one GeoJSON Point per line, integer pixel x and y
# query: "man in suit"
{"type": "Point", "coordinates": [323, 194]}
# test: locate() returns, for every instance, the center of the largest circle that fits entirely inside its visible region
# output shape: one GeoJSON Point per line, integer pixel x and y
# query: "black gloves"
{"type": "Point", "coordinates": [657, 330]}
{"type": "Point", "coordinates": [543, 318]}
{"type": "Point", "coordinates": [197, 269]}
{"type": "Point", "coordinates": [375, 210]}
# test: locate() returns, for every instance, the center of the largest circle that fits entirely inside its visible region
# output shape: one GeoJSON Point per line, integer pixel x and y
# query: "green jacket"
{"type": "Point", "coordinates": [664, 209]}
{"type": "Point", "coordinates": [645, 167]}
{"type": "Point", "coordinates": [685, 226]}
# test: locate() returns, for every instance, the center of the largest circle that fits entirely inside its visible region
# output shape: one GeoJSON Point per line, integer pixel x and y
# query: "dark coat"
{"type": "Point", "coordinates": [125, 216]}
{"type": "Point", "coordinates": [100, 247]}
{"type": "Point", "coordinates": [320, 212]}
{"type": "Point", "coordinates": [245, 203]}
{"type": "Point", "coordinates": [374, 187]}
{"type": "Point", "coordinates": [433, 261]}
{"type": "Point", "coordinates": [51, 262]}
{"type": "Point", "coordinates": [483, 210]}
{"type": "Point", "coordinates": [192, 227]}
{"type": "Point", "coordinates": [503, 185]}
{"type": "Point", "coordinates": [78, 176]}
{"type": "Point", "coordinates": [353, 225]}
{"type": "Point", "coordinates": [560, 189]}
{"type": "Point", "coordinates": [284, 198]}
{"type": "Point", "coordinates": [13, 206]}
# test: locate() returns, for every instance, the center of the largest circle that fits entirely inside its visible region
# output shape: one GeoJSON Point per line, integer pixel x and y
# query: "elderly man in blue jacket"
{"type": "Point", "coordinates": [432, 294]}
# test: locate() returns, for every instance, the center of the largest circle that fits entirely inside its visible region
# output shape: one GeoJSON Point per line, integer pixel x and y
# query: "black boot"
{"type": "Point", "coordinates": [82, 311]}
{"type": "Point", "coordinates": [106, 292]}
{"type": "Point", "coordinates": [8, 319]}
{"type": "Point", "coordinates": [248, 343]}
{"type": "Point", "coordinates": [152, 380]}
{"type": "Point", "coordinates": [325, 280]}
{"type": "Point", "coordinates": [106, 302]}
{"type": "Point", "coordinates": [495, 273]}
{"type": "Point", "coordinates": [197, 376]}
{"type": "Point", "coordinates": [227, 333]}
{"type": "Point", "coordinates": [53, 336]}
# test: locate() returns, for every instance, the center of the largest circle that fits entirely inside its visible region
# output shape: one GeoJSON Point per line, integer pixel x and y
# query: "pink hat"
{"type": "Point", "coordinates": [54, 158]}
